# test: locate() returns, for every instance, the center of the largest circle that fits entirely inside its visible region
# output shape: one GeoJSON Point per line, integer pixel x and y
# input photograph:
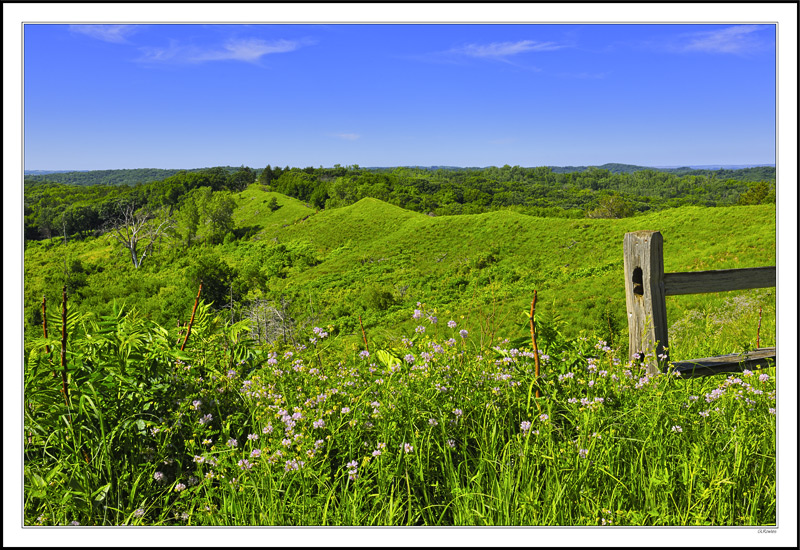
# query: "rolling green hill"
{"type": "Point", "coordinates": [377, 261]}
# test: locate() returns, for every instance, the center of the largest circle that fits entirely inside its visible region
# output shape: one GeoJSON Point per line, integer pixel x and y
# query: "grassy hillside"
{"type": "Point", "coordinates": [493, 262]}
{"type": "Point", "coordinates": [376, 261]}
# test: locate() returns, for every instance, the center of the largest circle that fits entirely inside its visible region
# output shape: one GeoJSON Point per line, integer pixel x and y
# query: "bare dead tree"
{"type": "Point", "coordinates": [268, 322]}
{"type": "Point", "coordinates": [139, 230]}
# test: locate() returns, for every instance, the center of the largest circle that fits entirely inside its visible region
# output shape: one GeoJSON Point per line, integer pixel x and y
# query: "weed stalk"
{"type": "Point", "coordinates": [533, 342]}
{"type": "Point", "coordinates": [194, 310]}
{"type": "Point", "coordinates": [758, 332]}
{"type": "Point", "coordinates": [64, 387]}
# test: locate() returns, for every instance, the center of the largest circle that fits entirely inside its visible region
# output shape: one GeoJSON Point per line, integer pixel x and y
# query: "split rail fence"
{"type": "Point", "coordinates": [646, 289]}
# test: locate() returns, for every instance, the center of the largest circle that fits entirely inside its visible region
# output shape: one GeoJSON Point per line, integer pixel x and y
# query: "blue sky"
{"type": "Point", "coordinates": [186, 96]}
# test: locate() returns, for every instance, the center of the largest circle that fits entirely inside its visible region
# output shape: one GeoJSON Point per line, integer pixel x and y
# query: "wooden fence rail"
{"type": "Point", "coordinates": [646, 289]}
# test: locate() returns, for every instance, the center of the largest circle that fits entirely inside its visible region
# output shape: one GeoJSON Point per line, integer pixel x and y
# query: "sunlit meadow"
{"type": "Point", "coordinates": [426, 430]}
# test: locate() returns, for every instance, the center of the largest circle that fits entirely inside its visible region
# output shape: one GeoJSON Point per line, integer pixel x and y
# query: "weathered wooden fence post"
{"type": "Point", "coordinates": [645, 296]}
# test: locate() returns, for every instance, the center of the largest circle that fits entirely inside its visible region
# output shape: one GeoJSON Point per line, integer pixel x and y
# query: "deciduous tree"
{"type": "Point", "coordinates": [138, 230]}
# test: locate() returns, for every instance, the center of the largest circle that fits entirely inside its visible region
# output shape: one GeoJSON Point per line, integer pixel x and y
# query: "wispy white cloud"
{"type": "Point", "coordinates": [118, 34]}
{"type": "Point", "coordinates": [250, 50]}
{"type": "Point", "coordinates": [740, 39]}
{"type": "Point", "coordinates": [348, 137]}
{"type": "Point", "coordinates": [494, 51]}
{"type": "Point", "coordinates": [503, 50]}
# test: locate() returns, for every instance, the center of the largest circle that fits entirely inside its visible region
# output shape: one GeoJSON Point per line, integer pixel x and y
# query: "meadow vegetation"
{"type": "Point", "coordinates": [367, 364]}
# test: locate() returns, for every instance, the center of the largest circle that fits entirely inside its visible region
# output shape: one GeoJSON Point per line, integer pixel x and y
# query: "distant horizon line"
{"type": "Point", "coordinates": [673, 166]}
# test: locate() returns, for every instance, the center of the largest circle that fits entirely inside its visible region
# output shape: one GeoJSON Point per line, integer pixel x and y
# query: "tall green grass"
{"type": "Point", "coordinates": [431, 429]}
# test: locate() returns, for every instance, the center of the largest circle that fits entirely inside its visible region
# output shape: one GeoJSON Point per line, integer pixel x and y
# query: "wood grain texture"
{"type": "Point", "coordinates": [644, 295]}
{"type": "Point", "coordinates": [720, 280]}
{"type": "Point", "coordinates": [756, 359]}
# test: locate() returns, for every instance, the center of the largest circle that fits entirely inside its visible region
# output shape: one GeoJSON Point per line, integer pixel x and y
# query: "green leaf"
{"type": "Point", "coordinates": [387, 358]}
{"type": "Point", "coordinates": [39, 488]}
{"type": "Point", "coordinates": [100, 494]}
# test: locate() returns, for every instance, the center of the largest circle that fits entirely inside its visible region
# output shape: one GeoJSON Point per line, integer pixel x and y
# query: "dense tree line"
{"type": "Point", "coordinates": [538, 191]}
{"type": "Point", "coordinates": [113, 177]}
{"type": "Point", "coordinates": [52, 209]}
{"type": "Point", "coordinates": [197, 200]}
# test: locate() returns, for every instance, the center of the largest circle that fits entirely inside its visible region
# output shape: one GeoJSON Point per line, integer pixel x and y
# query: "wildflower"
{"type": "Point", "coordinates": [244, 464]}
{"type": "Point", "coordinates": [458, 412]}
{"type": "Point", "coordinates": [319, 423]}
{"type": "Point", "coordinates": [703, 413]}
{"type": "Point", "coordinates": [677, 429]}
{"type": "Point", "coordinates": [407, 448]}
{"type": "Point", "coordinates": [463, 333]}
{"type": "Point", "coordinates": [232, 443]}
{"type": "Point", "coordinates": [409, 358]}
{"type": "Point", "coordinates": [771, 411]}
{"type": "Point", "coordinates": [451, 324]}
{"type": "Point", "coordinates": [345, 410]}
{"type": "Point", "coordinates": [206, 419]}
{"type": "Point", "coordinates": [179, 487]}
{"type": "Point", "coordinates": [139, 512]}
{"type": "Point", "coordinates": [267, 429]}
{"type": "Point", "coordinates": [286, 442]}
{"type": "Point", "coordinates": [451, 443]}
{"type": "Point", "coordinates": [74, 522]}
{"type": "Point", "coordinates": [255, 453]}
{"type": "Point", "coordinates": [252, 437]}
{"type": "Point", "coordinates": [364, 354]}
{"type": "Point", "coordinates": [185, 516]}
{"type": "Point", "coordinates": [763, 377]}
{"type": "Point", "coordinates": [159, 476]}
{"type": "Point", "coordinates": [231, 374]}
{"type": "Point", "coordinates": [433, 422]}
{"type": "Point", "coordinates": [543, 417]}
{"type": "Point", "coordinates": [583, 453]}
{"type": "Point", "coordinates": [196, 404]}
{"type": "Point", "coordinates": [524, 426]}
{"type": "Point", "coordinates": [352, 470]}
{"type": "Point", "coordinates": [376, 452]}
{"type": "Point", "coordinates": [417, 314]}
{"type": "Point", "coordinates": [199, 459]}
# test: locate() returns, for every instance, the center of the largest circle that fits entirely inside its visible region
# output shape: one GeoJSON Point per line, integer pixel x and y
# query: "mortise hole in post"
{"type": "Point", "coordinates": [638, 283]}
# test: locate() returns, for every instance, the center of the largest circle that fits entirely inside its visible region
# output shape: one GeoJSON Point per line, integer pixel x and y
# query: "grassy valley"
{"type": "Point", "coordinates": [375, 260]}
{"type": "Point", "coordinates": [282, 410]}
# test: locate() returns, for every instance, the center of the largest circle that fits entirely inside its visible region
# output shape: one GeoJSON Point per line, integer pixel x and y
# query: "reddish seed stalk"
{"type": "Point", "coordinates": [758, 333]}
{"type": "Point", "coordinates": [533, 341]}
{"type": "Point", "coordinates": [64, 387]}
{"type": "Point", "coordinates": [194, 309]}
